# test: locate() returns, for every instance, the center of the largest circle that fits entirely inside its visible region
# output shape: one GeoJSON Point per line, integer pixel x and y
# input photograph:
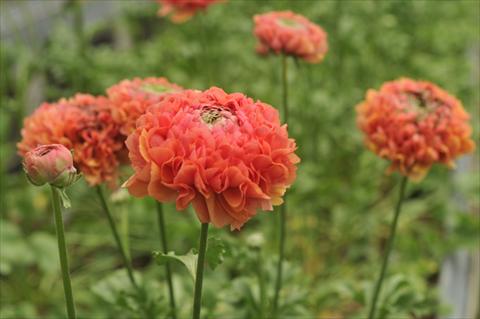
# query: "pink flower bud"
{"type": "Point", "coordinates": [52, 164]}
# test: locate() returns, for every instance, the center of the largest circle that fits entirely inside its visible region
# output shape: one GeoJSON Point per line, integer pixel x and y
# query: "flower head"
{"type": "Point", "coordinates": [52, 164]}
{"type": "Point", "coordinates": [224, 153]}
{"type": "Point", "coordinates": [414, 124]}
{"type": "Point", "coordinates": [291, 34]}
{"type": "Point", "coordinates": [130, 98]}
{"type": "Point", "coordinates": [183, 10]}
{"type": "Point", "coordinates": [83, 124]}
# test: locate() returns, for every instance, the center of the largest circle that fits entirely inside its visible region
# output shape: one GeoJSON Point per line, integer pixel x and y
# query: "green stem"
{"type": "Point", "coordinates": [62, 251]}
{"type": "Point", "coordinates": [163, 240]}
{"type": "Point", "coordinates": [393, 229]}
{"type": "Point", "coordinates": [114, 230]}
{"type": "Point", "coordinates": [281, 252]}
{"type": "Point", "coordinates": [261, 283]}
{"type": "Point", "coordinates": [285, 88]}
{"type": "Point", "coordinates": [197, 301]}
{"type": "Point", "coordinates": [283, 208]}
{"type": "Point", "coordinates": [124, 230]}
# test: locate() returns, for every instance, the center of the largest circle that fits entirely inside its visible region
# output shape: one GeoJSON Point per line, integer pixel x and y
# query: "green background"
{"type": "Point", "coordinates": [339, 208]}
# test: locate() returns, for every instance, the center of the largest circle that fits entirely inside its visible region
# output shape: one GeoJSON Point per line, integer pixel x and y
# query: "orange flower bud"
{"type": "Point", "coordinates": [52, 164]}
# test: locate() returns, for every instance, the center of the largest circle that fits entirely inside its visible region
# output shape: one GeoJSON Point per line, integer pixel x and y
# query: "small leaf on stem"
{"type": "Point", "coordinates": [189, 260]}
{"type": "Point", "coordinates": [64, 198]}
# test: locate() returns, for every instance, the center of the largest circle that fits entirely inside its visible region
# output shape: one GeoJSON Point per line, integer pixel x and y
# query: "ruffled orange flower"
{"type": "Point", "coordinates": [291, 34]}
{"type": "Point", "coordinates": [414, 124]}
{"type": "Point", "coordinates": [130, 98]}
{"type": "Point", "coordinates": [183, 10]}
{"type": "Point", "coordinates": [83, 124]}
{"type": "Point", "coordinates": [224, 153]}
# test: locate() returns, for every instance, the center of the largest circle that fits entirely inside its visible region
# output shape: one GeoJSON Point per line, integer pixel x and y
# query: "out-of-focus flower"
{"type": "Point", "coordinates": [83, 124]}
{"type": "Point", "coordinates": [292, 34]}
{"type": "Point", "coordinates": [130, 98]}
{"type": "Point", "coordinates": [224, 153]}
{"type": "Point", "coordinates": [414, 124]}
{"type": "Point", "coordinates": [183, 10]}
{"type": "Point", "coordinates": [52, 164]}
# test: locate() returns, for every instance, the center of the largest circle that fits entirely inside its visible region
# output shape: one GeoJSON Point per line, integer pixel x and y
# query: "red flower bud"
{"type": "Point", "coordinates": [52, 164]}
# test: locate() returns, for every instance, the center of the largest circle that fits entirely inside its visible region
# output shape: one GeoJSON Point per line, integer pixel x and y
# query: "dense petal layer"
{"type": "Point", "coordinates": [130, 98]}
{"type": "Point", "coordinates": [414, 124]}
{"type": "Point", "coordinates": [183, 10]}
{"type": "Point", "coordinates": [292, 34]}
{"type": "Point", "coordinates": [224, 153]}
{"type": "Point", "coordinates": [83, 124]}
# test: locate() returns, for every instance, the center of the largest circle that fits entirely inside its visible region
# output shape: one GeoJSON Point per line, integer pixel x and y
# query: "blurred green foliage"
{"type": "Point", "coordinates": [339, 208]}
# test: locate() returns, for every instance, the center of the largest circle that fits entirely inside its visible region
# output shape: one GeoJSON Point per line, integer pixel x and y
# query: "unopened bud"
{"type": "Point", "coordinates": [52, 164]}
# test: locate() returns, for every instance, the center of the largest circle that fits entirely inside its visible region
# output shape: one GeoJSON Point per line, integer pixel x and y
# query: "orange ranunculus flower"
{"type": "Point", "coordinates": [224, 153]}
{"type": "Point", "coordinates": [414, 124]}
{"type": "Point", "coordinates": [83, 124]}
{"type": "Point", "coordinates": [183, 10]}
{"type": "Point", "coordinates": [292, 34]}
{"type": "Point", "coordinates": [130, 98]}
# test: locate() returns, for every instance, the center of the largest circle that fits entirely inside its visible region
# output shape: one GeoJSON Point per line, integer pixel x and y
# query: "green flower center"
{"type": "Point", "coordinates": [214, 114]}
{"type": "Point", "coordinates": [290, 23]}
{"type": "Point", "coordinates": [211, 116]}
{"type": "Point", "coordinates": [422, 101]}
{"type": "Point", "coordinates": [156, 88]}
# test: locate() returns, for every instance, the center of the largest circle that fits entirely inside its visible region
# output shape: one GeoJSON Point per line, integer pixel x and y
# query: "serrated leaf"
{"type": "Point", "coordinates": [189, 260]}
{"type": "Point", "coordinates": [217, 249]}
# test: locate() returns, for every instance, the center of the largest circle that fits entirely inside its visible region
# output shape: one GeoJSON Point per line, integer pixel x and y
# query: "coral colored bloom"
{"type": "Point", "coordinates": [414, 124]}
{"type": "Point", "coordinates": [224, 153]}
{"type": "Point", "coordinates": [183, 10]}
{"type": "Point", "coordinates": [52, 164]}
{"type": "Point", "coordinates": [130, 98]}
{"type": "Point", "coordinates": [83, 124]}
{"type": "Point", "coordinates": [291, 34]}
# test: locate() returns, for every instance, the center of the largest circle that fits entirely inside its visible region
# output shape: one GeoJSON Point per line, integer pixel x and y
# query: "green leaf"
{"type": "Point", "coordinates": [189, 260]}
{"type": "Point", "coordinates": [217, 249]}
{"type": "Point", "coordinates": [64, 198]}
